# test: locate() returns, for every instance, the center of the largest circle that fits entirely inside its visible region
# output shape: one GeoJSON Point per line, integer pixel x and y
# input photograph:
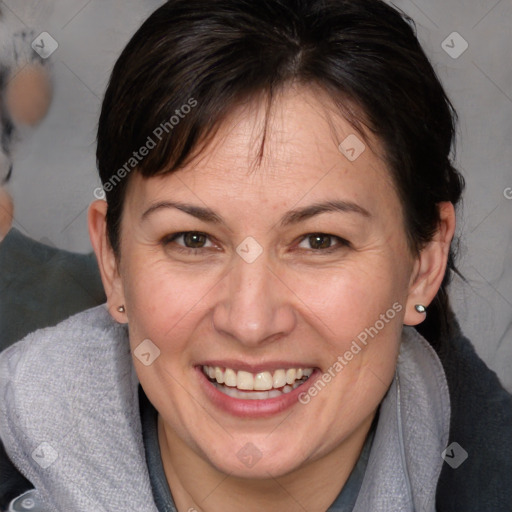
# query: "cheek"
{"type": "Point", "coordinates": [163, 303]}
{"type": "Point", "coordinates": [349, 300]}
{"type": "Point", "coordinates": [335, 305]}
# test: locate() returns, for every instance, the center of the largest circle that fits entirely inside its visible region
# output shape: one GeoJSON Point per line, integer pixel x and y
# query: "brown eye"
{"type": "Point", "coordinates": [187, 241]}
{"type": "Point", "coordinates": [194, 240]}
{"type": "Point", "coordinates": [319, 241]}
{"type": "Point", "coordinates": [323, 242]}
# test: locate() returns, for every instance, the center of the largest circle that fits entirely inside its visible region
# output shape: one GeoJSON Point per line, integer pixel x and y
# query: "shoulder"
{"type": "Point", "coordinates": [474, 388]}
{"type": "Point", "coordinates": [56, 360]}
{"type": "Point", "coordinates": [53, 369]}
{"type": "Point", "coordinates": [66, 389]}
{"type": "Point", "coordinates": [42, 285]}
{"type": "Point", "coordinates": [481, 427]}
{"type": "Point", "coordinates": [93, 329]}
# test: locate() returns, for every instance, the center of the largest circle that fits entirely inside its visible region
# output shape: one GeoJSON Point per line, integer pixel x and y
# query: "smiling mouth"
{"type": "Point", "coordinates": [256, 386]}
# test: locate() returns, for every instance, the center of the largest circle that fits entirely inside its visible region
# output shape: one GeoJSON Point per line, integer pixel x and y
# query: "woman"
{"type": "Point", "coordinates": [275, 248]}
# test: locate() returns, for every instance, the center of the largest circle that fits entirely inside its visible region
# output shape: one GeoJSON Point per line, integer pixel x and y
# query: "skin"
{"type": "Point", "coordinates": [291, 304]}
{"type": "Point", "coordinates": [29, 95]}
{"type": "Point", "coordinates": [6, 212]}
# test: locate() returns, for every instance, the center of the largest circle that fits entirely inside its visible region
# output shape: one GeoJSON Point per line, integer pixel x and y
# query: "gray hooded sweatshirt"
{"type": "Point", "coordinates": [70, 422]}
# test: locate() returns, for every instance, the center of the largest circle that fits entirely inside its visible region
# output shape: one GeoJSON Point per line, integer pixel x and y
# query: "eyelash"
{"type": "Point", "coordinates": [342, 243]}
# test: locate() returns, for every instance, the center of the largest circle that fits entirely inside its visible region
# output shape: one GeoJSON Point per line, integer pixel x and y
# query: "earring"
{"type": "Point", "coordinates": [121, 309]}
{"type": "Point", "coordinates": [420, 308]}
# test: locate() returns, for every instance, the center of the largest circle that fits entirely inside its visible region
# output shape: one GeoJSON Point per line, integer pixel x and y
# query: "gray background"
{"type": "Point", "coordinates": [54, 175]}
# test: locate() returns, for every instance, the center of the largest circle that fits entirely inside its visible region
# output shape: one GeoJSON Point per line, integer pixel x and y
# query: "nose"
{"type": "Point", "coordinates": [255, 306]}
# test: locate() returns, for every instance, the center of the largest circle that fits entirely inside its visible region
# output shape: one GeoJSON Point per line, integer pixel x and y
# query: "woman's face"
{"type": "Point", "coordinates": [265, 283]}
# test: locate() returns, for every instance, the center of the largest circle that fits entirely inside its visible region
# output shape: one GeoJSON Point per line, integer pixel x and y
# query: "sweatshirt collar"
{"type": "Point", "coordinates": [405, 461]}
{"type": "Point", "coordinates": [65, 390]}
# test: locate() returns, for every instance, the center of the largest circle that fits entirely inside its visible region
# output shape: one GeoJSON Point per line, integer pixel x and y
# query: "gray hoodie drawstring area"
{"type": "Point", "coordinates": [70, 422]}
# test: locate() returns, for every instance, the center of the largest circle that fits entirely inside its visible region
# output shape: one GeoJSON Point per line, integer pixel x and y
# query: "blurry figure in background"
{"type": "Point", "coordinates": [25, 97]}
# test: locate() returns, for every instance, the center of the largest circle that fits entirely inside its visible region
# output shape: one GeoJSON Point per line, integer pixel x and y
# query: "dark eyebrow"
{"type": "Point", "coordinates": [205, 214]}
{"type": "Point", "coordinates": [291, 217]}
{"type": "Point", "coordinates": [301, 214]}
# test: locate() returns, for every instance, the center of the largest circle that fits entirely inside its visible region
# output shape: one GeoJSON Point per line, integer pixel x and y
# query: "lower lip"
{"type": "Point", "coordinates": [253, 408]}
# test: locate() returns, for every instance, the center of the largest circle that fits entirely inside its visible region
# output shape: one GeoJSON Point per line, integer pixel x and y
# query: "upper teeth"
{"type": "Point", "coordinates": [259, 381]}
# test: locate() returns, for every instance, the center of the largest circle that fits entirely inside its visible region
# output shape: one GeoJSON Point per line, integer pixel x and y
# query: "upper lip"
{"type": "Point", "coordinates": [268, 366]}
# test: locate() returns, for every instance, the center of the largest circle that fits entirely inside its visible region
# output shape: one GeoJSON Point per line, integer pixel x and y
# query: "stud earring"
{"type": "Point", "coordinates": [420, 308]}
{"type": "Point", "coordinates": [121, 309]}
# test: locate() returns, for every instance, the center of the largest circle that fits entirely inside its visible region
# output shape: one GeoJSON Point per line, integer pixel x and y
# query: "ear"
{"type": "Point", "coordinates": [107, 261]}
{"type": "Point", "coordinates": [430, 266]}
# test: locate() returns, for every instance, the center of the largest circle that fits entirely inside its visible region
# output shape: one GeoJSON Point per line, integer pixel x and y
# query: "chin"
{"type": "Point", "coordinates": [258, 465]}
{"type": "Point", "coordinates": [259, 456]}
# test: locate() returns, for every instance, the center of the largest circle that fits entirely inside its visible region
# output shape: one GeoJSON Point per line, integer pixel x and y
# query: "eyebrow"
{"type": "Point", "coordinates": [204, 214]}
{"type": "Point", "coordinates": [292, 217]}
{"type": "Point", "coordinates": [301, 214]}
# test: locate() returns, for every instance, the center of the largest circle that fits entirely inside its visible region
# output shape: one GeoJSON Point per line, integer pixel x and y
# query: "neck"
{"type": "Point", "coordinates": [310, 487]}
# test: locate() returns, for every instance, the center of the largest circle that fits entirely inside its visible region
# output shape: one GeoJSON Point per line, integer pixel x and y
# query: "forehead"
{"type": "Point", "coordinates": [299, 147]}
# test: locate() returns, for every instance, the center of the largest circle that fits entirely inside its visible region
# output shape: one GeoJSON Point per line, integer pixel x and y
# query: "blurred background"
{"type": "Point", "coordinates": [470, 45]}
